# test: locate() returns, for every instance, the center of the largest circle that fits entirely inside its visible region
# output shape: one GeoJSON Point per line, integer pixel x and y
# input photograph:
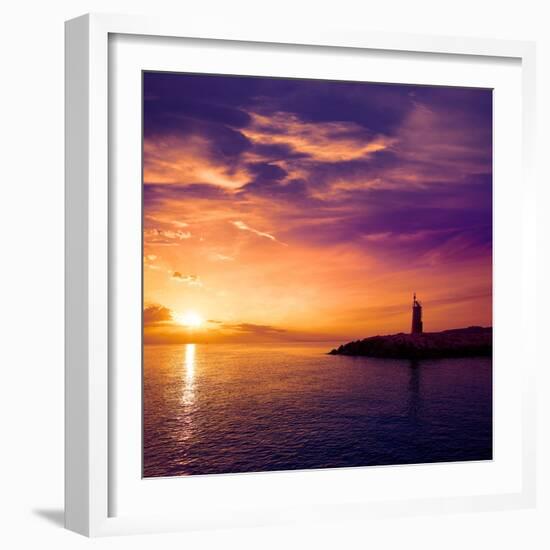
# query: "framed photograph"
{"type": "Point", "coordinates": [298, 275]}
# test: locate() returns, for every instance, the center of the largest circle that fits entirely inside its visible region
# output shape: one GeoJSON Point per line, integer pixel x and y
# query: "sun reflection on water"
{"type": "Point", "coordinates": [188, 396]}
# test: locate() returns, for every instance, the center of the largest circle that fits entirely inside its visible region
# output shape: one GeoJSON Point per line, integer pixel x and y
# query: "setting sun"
{"type": "Point", "coordinates": [190, 319]}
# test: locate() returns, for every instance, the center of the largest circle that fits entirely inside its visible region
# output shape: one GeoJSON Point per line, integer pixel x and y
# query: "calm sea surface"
{"type": "Point", "coordinates": [212, 409]}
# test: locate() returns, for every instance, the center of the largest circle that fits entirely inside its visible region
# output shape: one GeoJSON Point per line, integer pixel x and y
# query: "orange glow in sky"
{"type": "Point", "coordinates": [289, 210]}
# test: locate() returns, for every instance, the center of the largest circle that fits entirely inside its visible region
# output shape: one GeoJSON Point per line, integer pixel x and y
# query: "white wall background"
{"type": "Point", "coordinates": [31, 268]}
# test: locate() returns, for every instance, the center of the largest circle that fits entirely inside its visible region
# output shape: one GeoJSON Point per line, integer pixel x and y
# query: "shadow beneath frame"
{"type": "Point", "coordinates": [54, 516]}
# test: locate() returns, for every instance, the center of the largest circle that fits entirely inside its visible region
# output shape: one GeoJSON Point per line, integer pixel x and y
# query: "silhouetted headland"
{"type": "Point", "coordinates": [461, 342]}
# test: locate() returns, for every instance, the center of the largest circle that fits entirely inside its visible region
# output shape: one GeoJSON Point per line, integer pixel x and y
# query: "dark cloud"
{"type": "Point", "coordinates": [265, 171]}
{"type": "Point", "coordinates": [276, 151]}
{"type": "Point", "coordinates": [226, 100]}
{"type": "Point", "coordinates": [250, 328]}
{"type": "Point", "coordinates": [266, 177]}
{"type": "Point", "coordinates": [166, 106]}
{"type": "Point", "coordinates": [295, 190]}
{"type": "Point", "coordinates": [154, 314]}
{"type": "Point", "coordinates": [377, 107]}
{"type": "Point", "coordinates": [169, 99]}
{"type": "Point", "coordinates": [425, 192]}
{"type": "Point", "coordinates": [407, 224]}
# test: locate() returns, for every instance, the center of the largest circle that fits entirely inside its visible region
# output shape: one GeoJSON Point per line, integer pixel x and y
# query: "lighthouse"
{"type": "Point", "coordinates": [416, 316]}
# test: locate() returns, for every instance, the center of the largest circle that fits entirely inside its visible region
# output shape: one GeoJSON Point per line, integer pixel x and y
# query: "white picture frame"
{"type": "Point", "coordinates": [90, 218]}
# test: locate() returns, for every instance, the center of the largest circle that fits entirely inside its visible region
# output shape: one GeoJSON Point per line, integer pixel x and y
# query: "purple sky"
{"type": "Point", "coordinates": [395, 178]}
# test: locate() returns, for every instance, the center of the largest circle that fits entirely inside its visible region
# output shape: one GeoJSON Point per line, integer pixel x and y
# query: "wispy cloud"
{"type": "Point", "coordinates": [217, 257]}
{"type": "Point", "coordinates": [165, 236]}
{"type": "Point", "coordinates": [244, 227]}
{"type": "Point", "coordinates": [188, 160]}
{"type": "Point", "coordinates": [251, 328]}
{"type": "Point", "coordinates": [333, 141]}
{"type": "Point", "coordinates": [167, 221]}
{"type": "Point", "coordinates": [191, 280]}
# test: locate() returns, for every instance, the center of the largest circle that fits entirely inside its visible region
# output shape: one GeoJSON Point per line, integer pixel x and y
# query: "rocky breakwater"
{"type": "Point", "coordinates": [462, 342]}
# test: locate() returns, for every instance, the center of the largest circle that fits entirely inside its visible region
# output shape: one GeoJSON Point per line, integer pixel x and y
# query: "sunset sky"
{"type": "Point", "coordinates": [303, 210]}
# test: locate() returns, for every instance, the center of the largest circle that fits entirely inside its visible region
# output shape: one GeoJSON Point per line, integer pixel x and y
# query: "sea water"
{"type": "Point", "coordinates": [220, 408]}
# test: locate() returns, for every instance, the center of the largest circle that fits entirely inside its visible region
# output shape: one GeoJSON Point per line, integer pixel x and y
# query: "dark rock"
{"type": "Point", "coordinates": [462, 342]}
